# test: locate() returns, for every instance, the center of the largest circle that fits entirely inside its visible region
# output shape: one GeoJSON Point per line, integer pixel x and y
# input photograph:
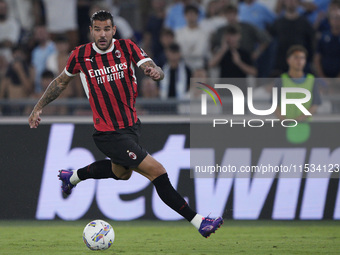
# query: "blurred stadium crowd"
{"type": "Point", "coordinates": [188, 38]}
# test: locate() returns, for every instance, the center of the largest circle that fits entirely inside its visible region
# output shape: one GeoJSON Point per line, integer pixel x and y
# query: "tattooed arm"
{"type": "Point", "coordinates": [154, 72]}
{"type": "Point", "coordinates": [52, 92]}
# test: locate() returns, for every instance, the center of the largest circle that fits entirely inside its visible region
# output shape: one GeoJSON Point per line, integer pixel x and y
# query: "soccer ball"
{"type": "Point", "coordinates": [98, 235]}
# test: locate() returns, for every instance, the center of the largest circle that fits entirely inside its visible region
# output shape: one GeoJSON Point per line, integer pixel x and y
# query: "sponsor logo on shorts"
{"type": "Point", "coordinates": [132, 155]}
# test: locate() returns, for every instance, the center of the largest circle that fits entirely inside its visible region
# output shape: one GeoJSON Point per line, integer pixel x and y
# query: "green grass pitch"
{"type": "Point", "coordinates": [155, 237]}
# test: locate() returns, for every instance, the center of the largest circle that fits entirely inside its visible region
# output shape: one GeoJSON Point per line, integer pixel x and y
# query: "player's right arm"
{"type": "Point", "coordinates": [56, 87]}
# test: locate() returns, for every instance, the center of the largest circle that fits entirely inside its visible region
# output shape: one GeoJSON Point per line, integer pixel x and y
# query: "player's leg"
{"type": "Point", "coordinates": [114, 145]}
{"type": "Point", "coordinates": [155, 172]}
{"type": "Point", "coordinates": [102, 169]}
{"type": "Point", "coordinates": [121, 172]}
{"type": "Point", "coordinates": [150, 168]}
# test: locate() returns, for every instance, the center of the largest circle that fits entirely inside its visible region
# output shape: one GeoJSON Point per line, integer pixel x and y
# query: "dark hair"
{"type": "Point", "coordinates": [230, 8]}
{"type": "Point", "coordinates": [295, 48]}
{"type": "Point", "coordinates": [189, 8]}
{"type": "Point", "coordinates": [47, 74]}
{"type": "Point", "coordinates": [232, 30]}
{"type": "Point", "coordinates": [174, 47]}
{"type": "Point", "coordinates": [102, 16]}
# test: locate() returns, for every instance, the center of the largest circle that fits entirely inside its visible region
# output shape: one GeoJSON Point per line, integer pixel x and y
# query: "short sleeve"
{"type": "Point", "coordinates": [270, 16]}
{"type": "Point", "coordinates": [138, 54]}
{"type": "Point", "coordinates": [14, 35]}
{"type": "Point", "coordinates": [169, 19]}
{"type": "Point", "coordinates": [72, 66]}
{"type": "Point", "coordinates": [261, 35]}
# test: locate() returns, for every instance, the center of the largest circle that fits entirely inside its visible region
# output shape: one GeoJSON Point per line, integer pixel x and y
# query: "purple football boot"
{"type": "Point", "coordinates": [209, 226]}
{"type": "Point", "coordinates": [64, 176]}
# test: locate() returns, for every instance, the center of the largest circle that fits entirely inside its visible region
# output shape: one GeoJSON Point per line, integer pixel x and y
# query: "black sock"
{"type": "Point", "coordinates": [171, 197]}
{"type": "Point", "coordinates": [97, 170]}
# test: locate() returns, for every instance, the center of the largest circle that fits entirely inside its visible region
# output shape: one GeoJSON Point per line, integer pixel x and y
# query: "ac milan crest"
{"type": "Point", "coordinates": [118, 53]}
{"type": "Point", "coordinates": [132, 155]}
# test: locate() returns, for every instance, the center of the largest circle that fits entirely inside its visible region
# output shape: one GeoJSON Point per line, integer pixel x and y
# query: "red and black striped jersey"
{"type": "Point", "coordinates": [109, 81]}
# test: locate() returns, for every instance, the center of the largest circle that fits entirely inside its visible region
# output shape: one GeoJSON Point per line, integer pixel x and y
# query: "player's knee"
{"type": "Point", "coordinates": [125, 176]}
{"type": "Point", "coordinates": [158, 166]}
{"type": "Point", "coordinates": [122, 174]}
{"type": "Point", "coordinates": [157, 170]}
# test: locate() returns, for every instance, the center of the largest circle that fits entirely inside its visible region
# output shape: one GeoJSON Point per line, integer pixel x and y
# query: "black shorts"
{"type": "Point", "coordinates": [121, 146]}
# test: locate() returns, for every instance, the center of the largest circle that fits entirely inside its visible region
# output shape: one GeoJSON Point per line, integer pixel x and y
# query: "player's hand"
{"type": "Point", "coordinates": [153, 73]}
{"type": "Point", "coordinates": [236, 57]}
{"type": "Point", "coordinates": [34, 119]}
{"type": "Point", "coordinates": [224, 45]}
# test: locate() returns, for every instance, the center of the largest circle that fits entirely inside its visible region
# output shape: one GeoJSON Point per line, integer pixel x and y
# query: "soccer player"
{"type": "Point", "coordinates": [107, 73]}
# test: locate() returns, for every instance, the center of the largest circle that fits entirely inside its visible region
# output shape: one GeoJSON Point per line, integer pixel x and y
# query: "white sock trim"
{"type": "Point", "coordinates": [197, 220]}
{"type": "Point", "coordinates": [74, 178]}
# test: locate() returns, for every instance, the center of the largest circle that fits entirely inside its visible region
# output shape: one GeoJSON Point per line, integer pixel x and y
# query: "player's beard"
{"type": "Point", "coordinates": [103, 47]}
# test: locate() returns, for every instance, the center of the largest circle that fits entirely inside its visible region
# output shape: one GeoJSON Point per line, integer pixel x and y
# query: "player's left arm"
{"type": "Point", "coordinates": [152, 70]}
{"type": "Point", "coordinates": [56, 87]}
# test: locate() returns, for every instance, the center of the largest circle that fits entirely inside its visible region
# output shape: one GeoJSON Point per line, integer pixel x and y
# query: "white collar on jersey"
{"type": "Point", "coordinates": [104, 52]}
